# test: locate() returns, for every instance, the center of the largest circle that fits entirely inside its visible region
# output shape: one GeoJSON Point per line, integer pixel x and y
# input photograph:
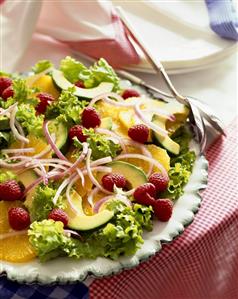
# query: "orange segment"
{"type": "Point", "coordinates": [38, 144]}
{"type": "Point", "coordinates": [83, 190]}
{"type": "Point", "coordinates": [46, 84]}
{"type": "Point", "coordinates": [17, 248]}
{"type": "Point", "coordinates": [158, 154]}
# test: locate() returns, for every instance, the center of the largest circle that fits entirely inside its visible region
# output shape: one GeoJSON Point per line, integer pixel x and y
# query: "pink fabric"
{"type": "Point", "coordinates": [88, 27]}
{"type": "Point", "coordinates": [203, 262]}
{"type": "Point", "coordinates": [118, 51]}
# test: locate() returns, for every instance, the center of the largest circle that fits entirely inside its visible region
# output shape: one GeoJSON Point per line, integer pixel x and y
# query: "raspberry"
{"type": "Point", "coordinates": [90, 118]}
{"type": "Point", "coordinates": [80, 84]}
{"type": "Point", "coordinates": [59, 215]}
{"type": "Point", "coordinates": [10, 190]}
{"type": "Point", "coordinates": [159, 181]}
{"type": "Point", "coordinates": [139, 133]}
{"type": "Point", "coordinates": [45, 100]}
{"type": "Point", "coordinates": [77, 131]}
{"type": "Point", "coordinates": [145, 194]}
{"type": "Point", "coordinates": [18, 218]}
{"type": "Point", "coordinates": [110, 179]}
{"type": "Point", "coordinates": [4, 83]}
{"type": "Point", "coordinates": [129, 93]}
{"type": "Point", "coordinates": [8, 93]}
{"type": "Point", "coordinates": [163, 209]}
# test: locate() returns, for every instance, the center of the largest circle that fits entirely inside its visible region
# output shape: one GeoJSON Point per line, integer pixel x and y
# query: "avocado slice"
{"type": "Point", "coordinates": [134, 175]}
{"type": "Point", "coordinates": [165, 141]}
{"type": "Point", "coordinates": [82, 222]}
{"type": "Point", "coordinates": [4, 123]}
{"type": "Point", "coordinates": [26, 178]}
{"type": "Point", "coordinates": [89, 93]}
{"type": "Point", "coordinates": [181, 113]}
{"type": "Point", "coordinates": [61, 132]}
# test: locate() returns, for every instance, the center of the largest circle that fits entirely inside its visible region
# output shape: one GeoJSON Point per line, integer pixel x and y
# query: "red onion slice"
{"type": "Point", "coordinates": [90, 174]}
{"type": "Point", "coordinates": [114, 135]}
{"type": "Point", "coordinates": [51, 142]}
{"type": "Point", "coordinates": [91, 195]}
{"type": "Point", "coordinates": [18, 165]}
{"type": "Point", "coordinates": [72, 181]}
{"type": "Point", "coordinates": [150, 160]}
{"type": "Point", "coordinates": [121, 103]}
{"type": "Point", "coordinates": [119, 197]}
{"type": "Point", "coordinates": [150, 124]}
{"type": "Point", "coordinates": [13, 234]}
{"type": "Point", "coordinates": [99, 169]}
{"type": "Point", "coordinates": [101, 161]}
{"type": "Point", "coordinates": [73, 234]}
{"type": "Point", "coordinates": [58, 161]}
{"type": "Point", "coordinates": [21, 131]}
{"type": "Point", "coordinates": [76, 163]}
{"type": "Point", "coordinates": [99, 203]}
{"type": "Point", "coordinates": [13, 128]}
{"type": "Point", "coordinates": [143, 149]}
{"type": "Point", "coordinates": [9, 109]}
{"type": "Point", "coordinates": [60, 189]}
{"type": "Point", "coordinates": [18, 150]}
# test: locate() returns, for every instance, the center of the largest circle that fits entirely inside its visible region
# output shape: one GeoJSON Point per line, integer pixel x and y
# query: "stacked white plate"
{"type": "Point", "coordinates": [178, 33]}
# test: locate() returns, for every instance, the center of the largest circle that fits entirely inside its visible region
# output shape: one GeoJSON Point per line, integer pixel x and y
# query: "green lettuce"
{"type": "Point", "coordinates": [67, 109]}
{"type": "Point", "coordinates": [48, 239]}
{"type": "Point", "coordinates": [31, 123]}
{"type": "Point", "coordinates": [121, 236]}
{"type": "Point", "coordinates": [181, 165]}
{"type": "Point", "coordinates": [22, 94]}
{"type": "Point", "coordinates": [101, 71]}
{"type": "Point", "coordinates": [42, 202]}
{"type": "Point", "coordinates": [41, 66]}
{"type": "Point", "coordinates": [71, 68]}
{"type": "Point", "coordinates": [100, 146]}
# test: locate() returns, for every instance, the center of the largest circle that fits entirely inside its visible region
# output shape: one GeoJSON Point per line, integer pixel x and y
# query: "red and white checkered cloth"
{"type": "Point", "coordinates": [203, 262]}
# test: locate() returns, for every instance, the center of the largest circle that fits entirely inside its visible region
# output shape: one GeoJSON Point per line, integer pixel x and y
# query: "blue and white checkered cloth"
{"type": "Point", "coordinates": [13, 290]}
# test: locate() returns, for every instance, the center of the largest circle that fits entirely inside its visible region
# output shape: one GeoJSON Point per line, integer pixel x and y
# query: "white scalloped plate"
{"type": "Point", "coordinates": [65, 270]}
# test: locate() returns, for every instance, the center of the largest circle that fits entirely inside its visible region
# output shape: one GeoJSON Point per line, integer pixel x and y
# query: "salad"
{"type": "Point", "coordinates": [88, 162]}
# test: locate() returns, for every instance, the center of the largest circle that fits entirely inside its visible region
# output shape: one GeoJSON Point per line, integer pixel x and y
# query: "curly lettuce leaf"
{"type": "Point", "coordinates": [101, 71]}
{"type": "Point", "coordinates": [31, 123]}
{"type": "Point", "coordinates": [100, 146]}
{"type": "Point", "coordinates": [67, 109]}
{"type": "Point", "coordinates": [42, 202]}
{"type": "Point", "coordinates": [41, 66]}
{"type": "Point", "coordinates": [48, 239]}
{"type": "Point", "coordinates": [71, 68]}
{"type": "Point", "coordinates": [181, 165]}
{"type": "Point", "coordinates": [22, 94]}
{"type": "Point", "coordinates": [121, 236]}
